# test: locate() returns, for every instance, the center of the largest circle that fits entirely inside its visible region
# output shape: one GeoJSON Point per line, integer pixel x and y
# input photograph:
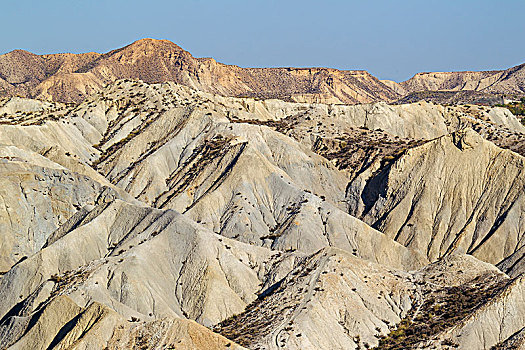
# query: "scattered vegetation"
{"type": "Point", "coordinates": [516, 108]}
{"type": "Point", "coordinates": [452, 97]}
{"type": "Point", "coordinates": [440, 310]}
{"type": "Point", "coordinates": [352, 150]}
{"type": "Point", "coordinates": [69, 279]}
{"type": "Point", "coordinates": [271, 308]}
{"type": "Point", "coordinates": [218, 150]}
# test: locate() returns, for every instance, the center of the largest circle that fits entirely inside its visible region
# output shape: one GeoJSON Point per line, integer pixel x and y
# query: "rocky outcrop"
{"type": "Point", "coordinates": [336, 301]}
{"type": "Point", "coordinates": [448, 97]}
{"type": "Point", "coordinates": [73, 77]}
{"type": "Point", "coordinates": [37, 196]}
{"type": "Point", "coordinates": [458, 192]}
{"type": "Point", "coordinates": [330, 300]}
{"type": "Point", "coordinates": [456, 307]}
{"type": "Point", "coordinates": [112, 253]}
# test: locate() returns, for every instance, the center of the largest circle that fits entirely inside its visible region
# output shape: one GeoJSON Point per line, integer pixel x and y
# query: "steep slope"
{"type": "Point", "coordinates": [173, 147]}
{"type": "Point", "coordinates": [462, 303]}
{"type": "Point", "coordinates": [329, 130]}
{"type": "Point", "coordinates": [243, 181]}
{"type": "Point", "coordinates": [141, 262]}
{"type": "Point", "coordinates": [68, 77]}
{"type": "Point", "coordinates": [153, 267]}
{"type": "Point", "coordinates": [138, 263]}
{"type": "Point", "coordinates": [435, 81]}
{"type": "Point", "coordinates": [72, 77]}
{"type": "Point", "coordinates": [38, 195]}
{"type": "Point", "coordinates": [333, 300]}
{"type": "Point", "coordinates": [62, 324]}
{"type": "Point", "coordinates": [354, 137]}
{"type": "Point", "coordinates": [448, 97]}
{"type": "Point", "coordinates": [458, 192]}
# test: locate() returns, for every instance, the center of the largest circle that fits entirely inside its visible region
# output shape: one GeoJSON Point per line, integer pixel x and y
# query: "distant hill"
{"type": "Point", "coordinates": [509, 81]}
{"type": "Point", "coordinates": [71, 77]}
{"type": "Point", "coordinates": [452, 97]}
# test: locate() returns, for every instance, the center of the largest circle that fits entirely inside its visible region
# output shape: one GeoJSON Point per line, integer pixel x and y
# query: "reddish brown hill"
{"type": "Point", "coordinates": [70, 77]}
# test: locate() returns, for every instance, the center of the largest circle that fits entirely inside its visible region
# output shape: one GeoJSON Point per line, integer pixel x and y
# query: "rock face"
{"type": "Point", "coordinates": [159, 216]}
{"type": "Point", "coordinates": [336, 301]}
{"type": "Point", "coordinates": [452, 97]}
{"type": "Point", "coordinates": [69, 77]}
{"type": "Point", "coordinates": [331, 300]}
{"type": "Point", "coordinates": [458, 192]}
{"type": "Point", "coordinates": [61, 324]}
{"type": "Point", "coordinates": [38, 196]}
{"type": "Point", "coordinates": [120, 248]}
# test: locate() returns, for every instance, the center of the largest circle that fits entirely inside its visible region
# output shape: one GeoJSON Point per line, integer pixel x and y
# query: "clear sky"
{"type": "Point", "coordinates": [390, 39]}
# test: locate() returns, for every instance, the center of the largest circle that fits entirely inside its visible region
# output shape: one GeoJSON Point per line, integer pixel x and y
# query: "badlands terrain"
{"type": "Point", "coordinates": [152, 200]}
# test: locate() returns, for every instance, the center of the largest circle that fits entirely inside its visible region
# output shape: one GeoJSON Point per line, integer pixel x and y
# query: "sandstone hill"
{"type": "Point", "coordinates": [481, 88]}
{"type": "Point", "coordinates": [509, 81]}
{"type": "Point", "coordinates": [71, 77]}
{"type": "Point", "coordinates": [158, 216]}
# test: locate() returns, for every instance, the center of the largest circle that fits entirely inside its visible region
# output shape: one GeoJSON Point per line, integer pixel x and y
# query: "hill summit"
{"type": "Point", "coordinates": [72, 77]}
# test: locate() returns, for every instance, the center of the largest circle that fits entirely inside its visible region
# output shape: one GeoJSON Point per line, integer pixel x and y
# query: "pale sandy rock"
{"type": "Point", "coordinates": [333, 300]}
{"type": "Point", "coordinates": [61, 324]}
{"type": "Point", "coordinates": [152, 205]}
{"type": "Point", "coordinates": [16, 105]}
{"type": "Point", "coordinates": [143, 262]}
{"type": "Point", "coordinates": [37, 196]}
{"type": "Point", "coordinates": [458, 192]}
{"type": "Point", "coordinates": [509, 81]}
{"type": "Point", "coordinates": [395, 86]}
{"type": "Point", "coordinates": [40, 138]}
{"type": "Point", "coordinates": [496, 322]}
{"type": "Point", "coordinates": [502, 116]}
{"type": "Point", "coordinates": [70, 77]}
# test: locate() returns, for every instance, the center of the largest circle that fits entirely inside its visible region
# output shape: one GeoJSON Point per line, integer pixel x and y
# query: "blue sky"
{"type": "Point", "coordinates": [391, 39]}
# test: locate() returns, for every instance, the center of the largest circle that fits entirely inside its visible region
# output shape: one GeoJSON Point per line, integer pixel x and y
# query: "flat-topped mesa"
{"type": "Point", "coordinates": [444, 80]}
